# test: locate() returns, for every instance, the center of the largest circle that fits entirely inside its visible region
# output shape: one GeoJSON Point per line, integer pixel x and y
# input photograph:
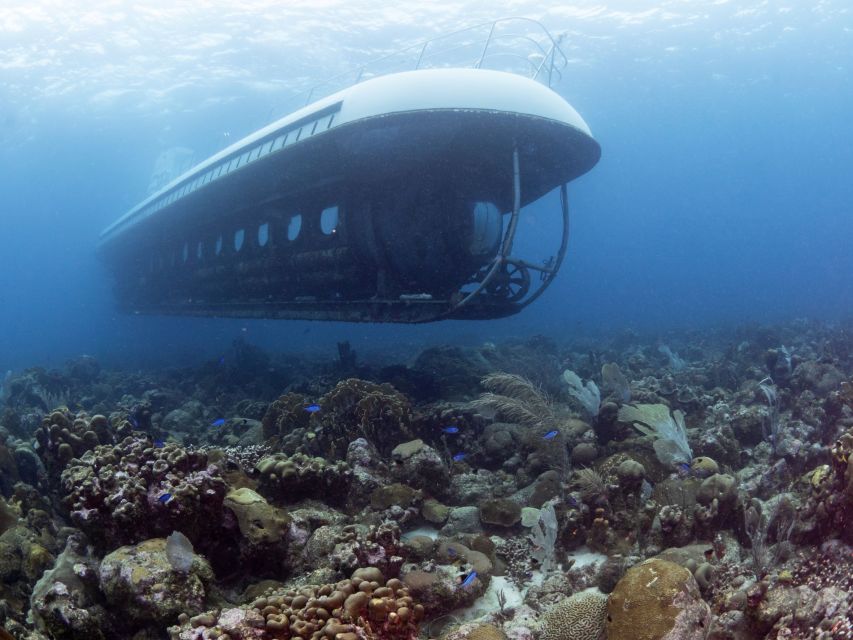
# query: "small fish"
{"type": "Point", "coordinates": [221, 359]}
{"type": "Point", "coordinates": [166, 498]}
{"type": "Point", "coordinates": [218, 422]}
{"type": "Point", "coordinates": [468, 580]}
{"type": "Point", "coordinates": [450, 429]}
{"type": "Point", "coordinates": [550, 435]}
{"type": "Point", "coordinates": [451, 552]}
{"type": "Point", "coordinates": [133, 421]}
{"type": "Point", "coordinates": [312, 408]}
{"type": "Point", "coordinates": [159, 444]}
{"type": "Point", "coordinates": [683, 469]}
{"type": "Point", "coordinates": [459, 457]}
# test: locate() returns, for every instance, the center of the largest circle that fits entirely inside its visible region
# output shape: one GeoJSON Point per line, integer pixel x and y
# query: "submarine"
{"type": "Point", "coordinates": [394, 199]}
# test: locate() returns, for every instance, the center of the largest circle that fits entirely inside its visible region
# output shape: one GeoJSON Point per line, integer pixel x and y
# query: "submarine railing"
{"type": "Point", "coordinates": [504, 258]}
{"type": "Point", "coordinates": [553, 57]}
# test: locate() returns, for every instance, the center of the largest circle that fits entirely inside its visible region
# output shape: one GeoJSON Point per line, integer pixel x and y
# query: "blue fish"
{"type": "Point", "coordinates": [450, 429]}
{"type": "Point", "coordinates": [550, 435]}
{"type": "Point", "coordinates": [222, 360]}
{"type": "Point", "coordinates": [166, 498]}
{"type": "Point", "coordinates": [459, 457]}
{"type": "Point", "coordinates": [683, 468]}
{"type": "Point", "coordinates": [468, 580]}
{"type": "Point", "coordinates": [133, 421]}
{"type": "Point", "coordinates": [159, 444]}
{"type": "Point", "coordinates": [451, 552]}
{"type": "Point", "coordinates": [312, 408]}
{"type": "Point", "coordinates": [218, 422]}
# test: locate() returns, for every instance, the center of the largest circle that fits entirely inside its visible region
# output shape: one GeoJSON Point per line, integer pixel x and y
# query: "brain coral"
{"type": "Point", "coordinates": [657, 600]}
{"type": "Point", "coordinates": [580, 617]}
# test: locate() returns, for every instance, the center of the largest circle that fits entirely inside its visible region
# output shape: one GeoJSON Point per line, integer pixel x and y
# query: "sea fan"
{"type": "Point", "coordinates": [515, 399]}
{"type": "Point", "coordinates": [666, 428]}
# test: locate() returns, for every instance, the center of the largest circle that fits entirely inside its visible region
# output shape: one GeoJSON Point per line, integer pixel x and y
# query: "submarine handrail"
{"type": "Point", "coordinates": [548, 271]}
{"type": "Point", "coordinates": [553, 59]}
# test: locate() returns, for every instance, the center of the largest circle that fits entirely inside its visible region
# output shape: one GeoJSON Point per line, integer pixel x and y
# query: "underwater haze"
{"type": "Point", "coordinates": [660, 447]}
{"type": "Point", "coordinates": [723, 195]}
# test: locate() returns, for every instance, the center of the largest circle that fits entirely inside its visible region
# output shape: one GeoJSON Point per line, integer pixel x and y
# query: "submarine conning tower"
{"type": "Point", "coordinates": [395, 199]}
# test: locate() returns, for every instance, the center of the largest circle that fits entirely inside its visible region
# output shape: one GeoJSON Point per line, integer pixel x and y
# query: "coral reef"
{"type": "Point", "coordinates": [131, 491]}
{"type": "Point", "coordinates": [364, 606]}
{"type": "Point", "coordinates": [645, 487]}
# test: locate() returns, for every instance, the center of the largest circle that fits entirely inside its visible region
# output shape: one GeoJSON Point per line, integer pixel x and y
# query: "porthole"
{"type": "Point", "coordinates": [239, 237]}
{"type": "Point", "coordinates": [294, 227]}
{"type": "Point", "coordinates": [263, 234]}
{"type": "Point", "coordinates": [329, 220]}
{"type": "Point", "coordinates": [219, 245]}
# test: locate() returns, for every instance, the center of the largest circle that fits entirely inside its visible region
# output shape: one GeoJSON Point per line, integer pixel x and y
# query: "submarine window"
{"type": "Point", "coordinates": [239, 237]}
{"type": "Point", "coordinates": [219, 244]}
{"type": "Point", "coordinates": [486, 229]}
{"type": "Point", "coordinates": [185, 254]}
{"type": "Point", "coordinates": [294, 227]}
{"type": "Point", "coordinates": [329, 220]}
{"type": "Point", "coordinates": [263, 234]}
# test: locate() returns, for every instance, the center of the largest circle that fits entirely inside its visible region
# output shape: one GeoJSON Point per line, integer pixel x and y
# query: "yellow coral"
{"type": "Point", "coordinates": [819, 476]}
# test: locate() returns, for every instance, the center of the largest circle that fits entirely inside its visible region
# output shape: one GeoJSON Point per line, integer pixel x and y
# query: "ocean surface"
{"type": "Point", "coordinates": [723, 195]}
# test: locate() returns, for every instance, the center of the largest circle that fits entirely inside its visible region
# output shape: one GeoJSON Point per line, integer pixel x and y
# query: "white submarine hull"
{"type": "Point", "coordinates": [393, 200]}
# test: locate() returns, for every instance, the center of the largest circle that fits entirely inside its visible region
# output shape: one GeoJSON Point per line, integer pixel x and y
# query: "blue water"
{"type": "Point", "coordinates": [723, 195]}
